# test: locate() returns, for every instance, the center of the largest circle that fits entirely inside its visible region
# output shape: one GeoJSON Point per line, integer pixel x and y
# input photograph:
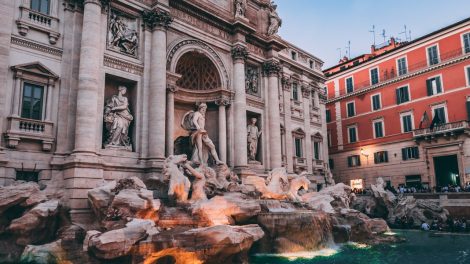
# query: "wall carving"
{"type": "Point", "coordinates": [37, 46]}
{"type": "Point", "coordinates": [123, 34]}
{"type": "Point", "coordinates": [121, 65]}
{"type": "Point", "coordinates": [252, 85]}
{"type": "Point", "coordinates": [156, 18]}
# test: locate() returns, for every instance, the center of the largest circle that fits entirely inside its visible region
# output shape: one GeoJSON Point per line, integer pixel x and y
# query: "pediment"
{"type": "Point", "coordinates": [35, 68]}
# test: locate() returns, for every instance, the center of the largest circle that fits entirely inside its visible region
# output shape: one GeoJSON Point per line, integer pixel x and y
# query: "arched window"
{"type": "Point", "coordinates": [41, 6]}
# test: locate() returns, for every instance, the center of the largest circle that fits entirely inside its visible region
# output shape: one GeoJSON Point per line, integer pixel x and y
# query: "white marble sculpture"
{"type": "Point", "coordinates": [253, 137]}
{"type": "Point", "coordinates": [179, 184]}
{"type": "Point", "coordinates": [297, 183]}
{"type": "Point", "coordinates": [117, 118]}
{"type": "Point", "coordinates": [274, 20]}
{"type": "Point", "coordinates": [122, 34]}
{"type": "Point", "coordinates": [197, 188]}
{"type": "Point", "coordinates": [202, 145]}
{"type": "Point", "coordinates": [240, 8]}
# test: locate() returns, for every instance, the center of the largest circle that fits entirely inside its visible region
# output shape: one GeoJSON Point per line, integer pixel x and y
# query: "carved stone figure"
{"type": "Point", "coordinates": [117, 118]}
{"type": "Point", "coordinates": [122, 34]}
{"type": "Point", "coordinates": [198, 193]}
{"type": "Point", "coordinates": [251, 80]}
{"type": "Point", "coordinates": [253, 137]}
{"type": "Point", "coordinates": [202, 145]}
{"type": "Point", "coordinates": [274, 20]}
{"type": "Point", "coordinates": [295, 185]}
{"type": "Point", "coordinates": [275, 185]}
{"type": "Point", "coordinates": [240, 8]}
{"type": "Point", "coordinates": [179, 184]}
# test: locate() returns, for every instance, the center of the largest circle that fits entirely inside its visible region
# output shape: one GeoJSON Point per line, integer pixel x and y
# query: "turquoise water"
{"type": "Point", "coordinates": [420, 247]}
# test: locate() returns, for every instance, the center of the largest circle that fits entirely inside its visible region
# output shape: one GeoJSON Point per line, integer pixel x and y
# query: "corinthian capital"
{"type": "Point", "coordinates": [156, 18]}
{"type": "Point", "coordinates": [239, 52]}
{"type": "Point", "coordinates": [271, 67]}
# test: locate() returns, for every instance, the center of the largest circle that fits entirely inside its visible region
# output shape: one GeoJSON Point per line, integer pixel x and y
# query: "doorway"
{"type": "Point", "coordinates": [446, 169]}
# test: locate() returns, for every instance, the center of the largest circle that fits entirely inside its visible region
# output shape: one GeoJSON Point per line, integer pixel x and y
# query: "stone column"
{"type": "Point", "coordinates": [239, 54]}
{"type": "Point", "coordinates": [288, 151]}
{"type": "Point", "coordinates": [308, 135]}
{"type": "Point", "coordinates": [222, 103]}
{"type": "Point", "coordinates": [272, 69]}
{"type": "Point", "coordinates": [170, 115]}
{"type": "Point", "coordinates": [88, 79]}
{"type": "Point", "coordinates": [159, 22]}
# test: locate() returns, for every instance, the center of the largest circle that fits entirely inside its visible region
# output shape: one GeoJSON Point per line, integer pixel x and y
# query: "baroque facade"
{"type": "Point", "coordinates": [401, 112]}
{"type": "Point", "coordinates": [95, 90]}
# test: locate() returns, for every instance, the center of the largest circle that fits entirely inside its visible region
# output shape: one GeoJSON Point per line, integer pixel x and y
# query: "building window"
{"type": "Point", "coordinates": [407, 123]}
{"type": "Point", "coordinates": [298, 147]}
{"type": "Point", "coordinates": [28, 176]}
{"type": "Point", "coordinates": [294, 55]}
{"type": "Point", "coordinates": [410, 153]}
{"type": "Point", "coordinates": [328, 135]}
{"type": "Point", "coordinates": [352, 134]}
{"type": "Point", "coordinates": [433, 55]}
{"type": "Point", "coordinates": [32, 102]}
{"type": "Point", "coordinates": [434, 85]}
{"type": "Point", "coordinates": [316, 150]}
{"type": "Point", "coordinates": [402, 94]}
{"type": "Point", "coordinates": [328, 115]}
{"type": "Point", "coordinates": [378, 129]}
{"type": "Point", "coordinates": [349, 85]}
{"type": "Point", "coordinates": [374, 76]}
{"type": "Point", "coordinates": [380, 157]}
{"type": "Point", "coordinates": [41, 6]}
{"type": "Point", "coordinates": [376, 102]}
{"type": "Point", "coordinates": [466, 42]}
{"type": "Point", "coordinates": [413, 181]}
{"type": "Point", "coordinates": [351, 109]}
{"type": "Point", "coordinates": [439, 115]}
{"type": "Point", "coordinates": [295, 92]}
{"type": "Point", "coordinates": [467, 70]}
{"type": "Point", "coordinates": [331, 163]}
{"type": "Point", "coordinates": [402, 68]}
{"type": "Point", "coordinates": [354, 161]}
{"type": "Point", "coordinates": [311, 64]}
{"type": "Point", "coordinates": [314, 103]}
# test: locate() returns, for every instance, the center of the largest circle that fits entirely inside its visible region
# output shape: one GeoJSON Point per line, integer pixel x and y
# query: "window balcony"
{"type": "Point", "coordinates": [447, 129]}
{"type": "Point", "coordinates": [38, 21]}
{"type": "Point", "coordinates": [23, 128]}
{"type": "Point", "coordinates": [317, 164]}
{"type": "Point", "coordinates": [300, 163]}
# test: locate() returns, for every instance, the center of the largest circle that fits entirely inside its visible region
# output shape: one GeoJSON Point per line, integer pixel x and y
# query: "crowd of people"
{"type": "Point", "coordinates": [451, 225]}
{"type": "Point", "coordinates": [419, 189]}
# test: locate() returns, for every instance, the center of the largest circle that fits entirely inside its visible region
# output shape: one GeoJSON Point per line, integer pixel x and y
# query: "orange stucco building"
{"type": "Point", "coordinates": [401, 112]}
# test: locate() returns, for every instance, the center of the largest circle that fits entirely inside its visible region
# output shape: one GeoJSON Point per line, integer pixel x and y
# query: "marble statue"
{"type": "Point", "coordinates": [197, 187]}
{"type": "Point", "coordinates": [274, 20]}
{"type": "Point", "coordinates": [240, 8]}
{"type": "Point", "coordinates": [123, 35]}
{"type": "Point", "coordinates": [117, 118]}
{"type": "Point", "coordinates": [251, 80]}
{"type": "Point", "coordinates": [202, 144]}
{"type": "Point", "coordinates": [295, 185]}
{"type": "Point", "coordinates": [173, 171]}
{"type": "Point", "coordinates": [253, 137]}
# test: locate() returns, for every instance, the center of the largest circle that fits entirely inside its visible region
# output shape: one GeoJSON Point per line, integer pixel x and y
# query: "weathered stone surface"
{"type": "Point", "coordinates": [418, 210]}
{"type": "Point", "coordinates": [216, 244]}
{"type": "Point", "coordinates": [100, 198]}
{"type": "Point", "coordinates": [16, 194]}
{"type": "Point", "coordinates": [363, 228]}
{"type": "Point", "coordinates": [228, 209]}
{"type": "Point", "coordinates": [136, 203]}
{"type": "Point", "coordinates": [119, 242]}
{"type": "Point", "coordinates": [37, 225]}
{"type": "Point", "coordinates": [341, 233]}
{"type": "Point", "coordinates": [294, 231]}
{"type": "Point", "coordinates": [330, 198]}
{"type": "Point", "coordinates": [45, 254]}
{"type": "Point", "coordinates": [318, 201]}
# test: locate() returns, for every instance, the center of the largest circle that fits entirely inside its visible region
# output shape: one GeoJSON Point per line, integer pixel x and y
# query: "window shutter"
{"type": "Point", "coordinates": [358, 160]}
{"type": "Point", "coordinates": [416, 152]}
{"type": "Point", "coordinates": [375, 157]}
{"type": "Point", "coordinates": [386, 156]}
{"type": "Point", "coordinates": [349, 161]}
{"type": "Point", "coordinates": [468, 110]}
{"type": "Point", "coordinates": [438, 84]}
{"type": "Point", "coordinates": [398, 96]}
{"type": "Point", "coordinates": [403, 154]}
{"type": "Point", "coordinates": [429, 87]}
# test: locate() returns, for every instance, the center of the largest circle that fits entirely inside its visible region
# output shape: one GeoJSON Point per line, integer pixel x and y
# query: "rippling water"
{"type": "Point", "coordinates": [420, 247]}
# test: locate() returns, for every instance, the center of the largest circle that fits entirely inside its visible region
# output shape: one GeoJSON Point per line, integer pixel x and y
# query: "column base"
{"type": "Point", "coordinates": [243, 172]}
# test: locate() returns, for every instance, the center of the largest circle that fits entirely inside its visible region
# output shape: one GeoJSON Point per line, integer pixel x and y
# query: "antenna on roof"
{"type": "Point", "coordinates": [340, 54]}
{"type": "Point", "coordinates": [373, 32]}
{"type": "Point", "coordinates": [348, 49]}
{"type": "Point", "coordinates": [405, 32]}
{"type": "Point", "coordinates": [409, 34]}
{"type": "Point", "coordinates": [383, 35]}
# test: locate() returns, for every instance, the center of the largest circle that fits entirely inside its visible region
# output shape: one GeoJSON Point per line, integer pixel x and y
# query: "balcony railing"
{"type": "Point", "coordinates": [23, 128]}
{"type": "Point", "coordinates": [441, 129]}
{"type": "Point", "coordinates": [391, 73]}
{"type": "Point", "coordinates": [39, 21]}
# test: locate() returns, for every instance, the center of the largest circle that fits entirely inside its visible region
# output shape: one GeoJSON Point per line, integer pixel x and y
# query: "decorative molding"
{"type": "Point", "coordinates": [255, 102]}
{"type": "Point", "coordinates": [156, 19]}
{"type": "Point", "coordinates": [271, 68]}
{"type": "Point", "coordinates": [286, 83]}
{"type": "Point", "coordinates": [223, 100]}
{"type": "Point", "coordinates": [37, 46]}
{"type": "Point", "coordinates": [240, 52]}
{"type": "Point", "coordinates": [121, 65]}
{"type": "Point", "coordinates": [305, 91]}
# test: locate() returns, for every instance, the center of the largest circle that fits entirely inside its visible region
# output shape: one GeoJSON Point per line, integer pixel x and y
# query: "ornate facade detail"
{"type": "Point", "coordinates": [223, 100]}
{"type": "Point", "coordinates": [239, 52]}
{"type": "Point", "coordinates": [305, 91]}
{"type": "Point", "coordinates": [117, 118]}
{"type": "Point", "coordinates": [122, 33]}
{"type": "Point", "coordinates": [274, 20]}
{"type": "Point", "coordinates": [252, 80]}
{"type": "Point", "coordinates": [240, 8]}
{"type": "Point", "coordinates": [198, 72]}
{"type": "Point", "coordinates": [286, 83]}
{"type": "Point", "coordinates": [156, 18]}
{"type": "Point", "coordinates": [37, 46]}
{"type": "Point", "coordinates": [271, 68]}
{"type": "Point", "coordinates": [123, 65]}
{"type": "Point", "coordinates": [171, 88]}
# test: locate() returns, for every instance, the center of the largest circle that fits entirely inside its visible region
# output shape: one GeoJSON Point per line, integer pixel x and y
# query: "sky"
{"type": "Point", "coordinates": [321, 27]}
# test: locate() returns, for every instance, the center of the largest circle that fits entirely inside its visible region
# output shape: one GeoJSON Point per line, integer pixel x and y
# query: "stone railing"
{"type": "Point", "coordinates": [39, 21]}
{"type": "Point", "coordinates": [317, 164]}
{"type": "Point", "coordinates": [298, 161]}
{"type": "Point", "coordinates": [23, 128]}
{"type": "Point", "coordinates": [441, 129]}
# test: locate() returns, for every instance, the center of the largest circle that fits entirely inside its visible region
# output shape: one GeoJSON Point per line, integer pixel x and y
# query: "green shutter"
{"type": "Point", "coordinates": [349, 161]}
{"type": "Point", "coordinates": [376, 157]}
{"type": "Point", "coordinates": [416, 152]}
{"type": "Point", "coordinates": [398, 96]}
{"type": "Point", "coordinates": [386, 156]}
{"type": "Point", "coordinates": [358, 160]}
{"type": "Point", "coordinates": [468, 110]}
{"type": "Point", "coordinates": [403, 154]}
{"type": "Point", "coordinates": [429, 87]}
{"type": "Point", "coordinates": [438, 84]}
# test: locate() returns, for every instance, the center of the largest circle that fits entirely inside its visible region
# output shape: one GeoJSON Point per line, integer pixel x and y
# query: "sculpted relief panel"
{"type": "Point", "coordinates": [123, 34]}
{"type": "Point", "coordinates": [252, 80]}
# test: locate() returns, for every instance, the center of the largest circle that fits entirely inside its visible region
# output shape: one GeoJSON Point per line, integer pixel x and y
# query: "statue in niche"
{"type": "Point", "coordinates": [251, 81]}
{"type": "Point", "coordinates": [240, 8]}
{"type": "Point", "coordinates": [122, 34]}
{"type": "Point", "coordinates": [253, 137]}
{"type": "Point", "coordinates": [117, 118]}
{"type": "Point", "coordinates": [274, 20]}
{"type": "Point", "coordinates": [202, 145]}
